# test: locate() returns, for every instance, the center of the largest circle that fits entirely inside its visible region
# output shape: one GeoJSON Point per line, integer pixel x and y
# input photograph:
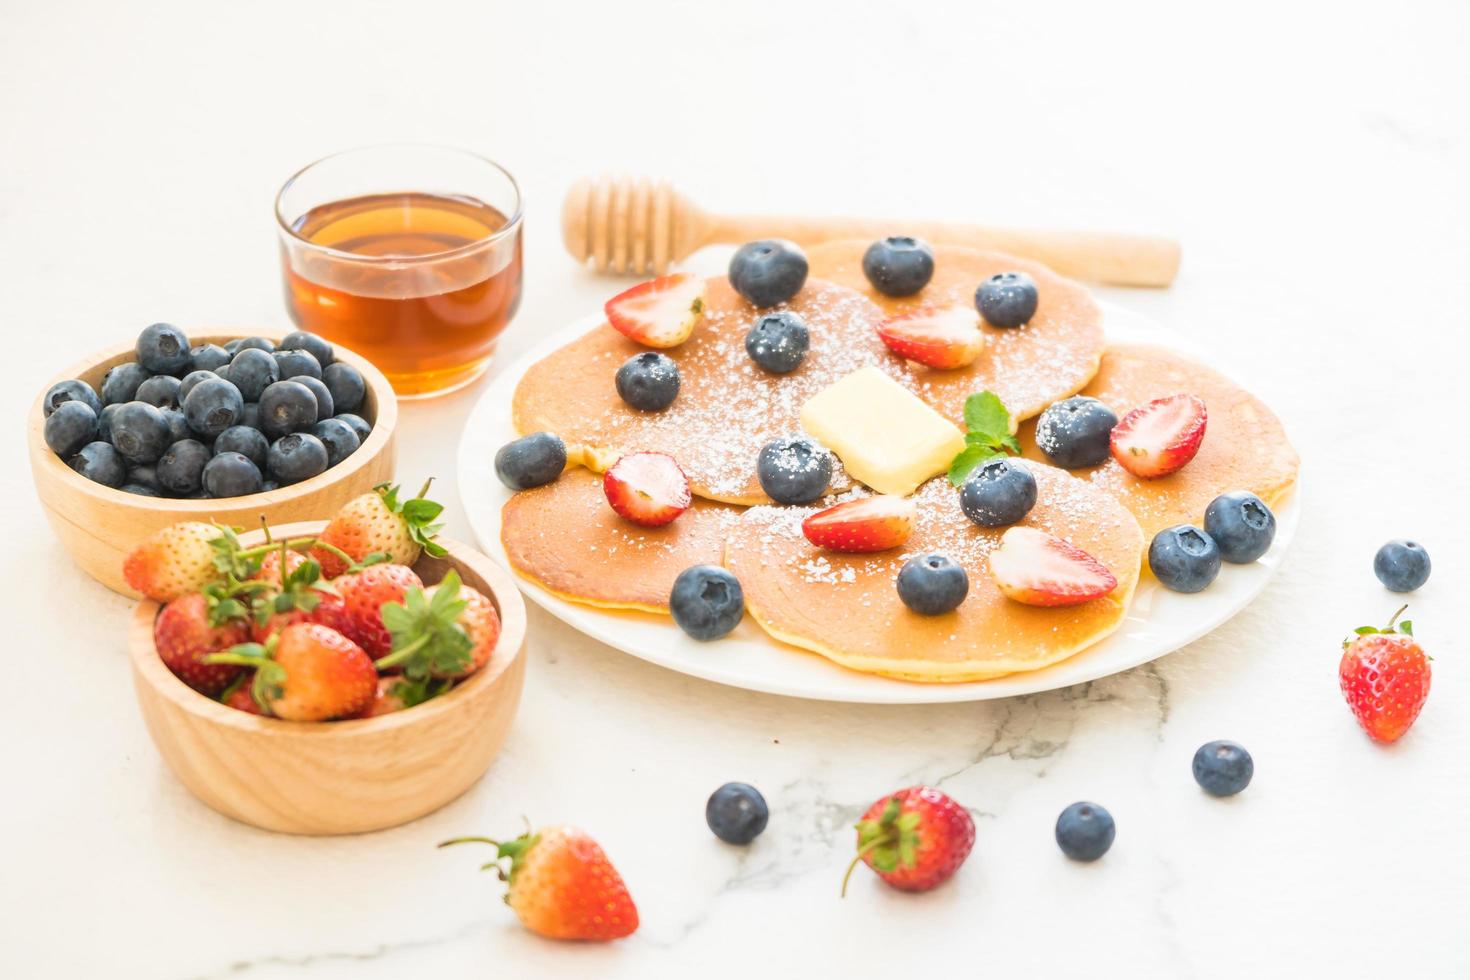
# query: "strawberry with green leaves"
{"type": "Point", "coordinates": [364, 593]}
{"type": "Point", "coordinates": [192, 626]}
{"type": "Point", "coordinates": [379, 524]}
{"type": "Point", "coordinates": [988, 425]}
{"type": "Point", "coordinates": [1384, 675]}
{"type": "Point", "coordinates": [176, 561]}
{"type": "Point", "coordinates": [307, 672]}
{"type": "Point", "coordinates": [561, 885]}
{"type": "Point", "coordinates": [915, 839]}
{"type": "Point", "coordinates": [301, 597]}
{"type": "Point", "coordinates": [444, 632]}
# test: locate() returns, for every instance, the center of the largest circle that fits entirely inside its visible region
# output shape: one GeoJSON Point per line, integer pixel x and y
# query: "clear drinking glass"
{"type": "Point", "coordinates": [409, 255]}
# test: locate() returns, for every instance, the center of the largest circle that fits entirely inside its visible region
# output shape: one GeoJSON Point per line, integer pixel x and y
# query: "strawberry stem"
{"type": "Point", "coordinates": [399, 656]}
{"type": "Point", "coordinates": [468, 840]}
{"type": "Point", "coordinates": [265, 528]}
{"type": "Point", "coordinates": [292, 543]}
{"type": "Point", "coordinates": [1395, 618]}
{"type": "Point", "coordinates": [862, 853]}
{"type": "Point", "coordinates": [424, 489]}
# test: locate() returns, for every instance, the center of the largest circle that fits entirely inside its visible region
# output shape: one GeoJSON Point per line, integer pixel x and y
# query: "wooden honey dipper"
{"type": "Point", "coordinates": [636, 225]}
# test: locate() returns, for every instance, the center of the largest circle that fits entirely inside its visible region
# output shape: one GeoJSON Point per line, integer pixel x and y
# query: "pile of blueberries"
{"type": "Point", "coordinates": [207, 420]}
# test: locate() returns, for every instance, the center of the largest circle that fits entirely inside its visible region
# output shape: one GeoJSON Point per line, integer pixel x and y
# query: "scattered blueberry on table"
{"type": "Point", "coordinates": [210, 420]}
{"type": "Point", "coordinates": [1402, 566]}
{"type": "Point", "coordinates": [1085, 831]}
{"type": "Point", "coordinates": [707, 601]}
{"type": "Point", "coordinates": [1223, 768]}
{"type": "Point", "coordinates": [736, 813]}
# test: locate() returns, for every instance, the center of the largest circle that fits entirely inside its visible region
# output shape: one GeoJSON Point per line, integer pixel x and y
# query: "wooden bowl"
{"type": "Point", "coordinates": [98, 525]}
{"type": "Point", "coordinates": [339, 777]}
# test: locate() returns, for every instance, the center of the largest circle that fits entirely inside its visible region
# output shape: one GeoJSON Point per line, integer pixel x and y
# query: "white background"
{"type": "Point", "coordinates": [1313, 159]}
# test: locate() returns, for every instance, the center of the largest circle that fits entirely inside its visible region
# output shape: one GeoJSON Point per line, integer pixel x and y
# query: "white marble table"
{"type": "Point", "coordinates": [1315, 169]}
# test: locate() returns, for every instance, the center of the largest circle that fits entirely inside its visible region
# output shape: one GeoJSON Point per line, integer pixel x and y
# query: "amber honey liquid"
{"type": "Point", "coordinates": [410, 282]}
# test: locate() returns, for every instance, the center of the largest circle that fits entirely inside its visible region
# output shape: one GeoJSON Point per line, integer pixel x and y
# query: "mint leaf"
{"type": "Point", "coordinates": [985, 412]}
{"type": "Point", "coordinates": [964, 464]}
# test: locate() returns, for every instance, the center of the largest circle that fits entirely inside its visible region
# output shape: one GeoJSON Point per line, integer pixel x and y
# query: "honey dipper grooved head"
{"type": "Point", "coordinates": [628, 224]}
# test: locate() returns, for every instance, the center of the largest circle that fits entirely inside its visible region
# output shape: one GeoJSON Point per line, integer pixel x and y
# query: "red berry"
{"type": "Point", "coordinates": [1160, 437]}
{"type": "Point", "coordinates": [869, 524]}
{"type": "Point", "coordinates": [914, 839]}
{"type": "Point", "coordinates": [647, 489]}
{"type": "Point", "coordinates": [183, 635]}
{"type": "Point", "coordinates": [942, 338]}
{"type": "Point", "coordinates": [659, 313]}
{"type": "Point", "coordinates": [363, 595]}
{"type": "Point", "coordinates": [1039, 569]}
{"type": "Point", "coordinates": [1385, 676]}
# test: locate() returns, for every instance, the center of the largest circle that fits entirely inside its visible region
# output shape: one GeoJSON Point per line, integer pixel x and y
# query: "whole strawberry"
{"type": "Point", "coordinates": [299, 597]}
{"type": "Point", "coordinates": [192, 626]}
{"type": "Point", "coordinates": [446, 631]}
{"type": "Point", "coordinates": [562, 886]}
{"type": "Point", "coordinates": [271, 563]}
{"type": "Point", "coordinates": [1384, 675]}
{"type": "Point", "coordinates": [177, 560]}
{"type": "Point", "coordinates": [479, 620]}
{"type": "Point", "coordinates": [307, 673]}
{"type": "Point", "coordinates": [363, 595]}
{"type": "Point", "coordinates": [378, 523]}
{"type": "Point", "coordinates": [914, 839]}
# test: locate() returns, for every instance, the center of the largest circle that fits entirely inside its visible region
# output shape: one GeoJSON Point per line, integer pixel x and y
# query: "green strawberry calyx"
{"type": "Point", "coordinates": [269, 683]}
{"type": "Point", "coordinates": [427, 637]}
{"type": "Point", "coordinates": [418, 515]}
{"type": "Point", "coordinates": [891, 841]}
{"type": "Point", "coordinates": [1394, 627]}
{"type": "Point", "coordinates": [988, 425]}
{"type": "Point", "coordinates": [517, 850]}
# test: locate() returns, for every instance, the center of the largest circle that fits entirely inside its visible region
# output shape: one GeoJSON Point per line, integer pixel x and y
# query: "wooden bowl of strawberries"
{"type": "Point", "coordinates": [370, 684]}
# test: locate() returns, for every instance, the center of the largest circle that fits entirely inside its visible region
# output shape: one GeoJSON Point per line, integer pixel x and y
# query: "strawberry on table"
{"type": "Point", "coordinates": [938, 337]}
{"type": "Point", "coordinates": [446, 631]}
{"type": "Point", "coordinates": [561, 885]}
{"type": "Point", "coordinates": [363, 595]}
{"type": "Point", "coordinates": [915, 839]}
{"type": "Point", "coordinates": [307, 673]}
{"type": "Point", "coordinates": [1040, 569]}
{"type": "Point", "coordinates": [1385, 676]}
{"type": "Point", "coordinates": [1159, 438]}
{"type": "Point", "coordinates": [647, 488]}
{"type": "Point", "coordinates": [177, 560]}
{"type": "Point", "coordinates": [192, 626]}
{"type": "Point", "coordinates": [869, 524]}
{"type": "Point", "coordinates": [659, 313]}
{"type": "Point", "coordinates": [378, 523]}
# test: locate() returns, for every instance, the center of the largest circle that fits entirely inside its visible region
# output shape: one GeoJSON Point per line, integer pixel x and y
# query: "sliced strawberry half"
{"type": "Point", "coordinates": [659, 313]}
{"type": "Point", "coordinates": [647, 488]}
{"type": "Point", "coordinates": [1158, 438]}
{"type": "Point", "coordinates": [939, 337]}
{"type": "Point", "coordinates": [1040, 569]}
{"type": "Point", "coordinates": [869, 524]}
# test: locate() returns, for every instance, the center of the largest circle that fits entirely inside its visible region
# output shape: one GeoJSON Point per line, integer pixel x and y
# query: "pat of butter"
{"type": "Point", "coordinates": [885, 436]}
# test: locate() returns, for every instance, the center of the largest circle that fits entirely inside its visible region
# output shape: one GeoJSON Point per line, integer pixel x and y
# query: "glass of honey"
{"type": "Point", "coordinates": [409, 255]}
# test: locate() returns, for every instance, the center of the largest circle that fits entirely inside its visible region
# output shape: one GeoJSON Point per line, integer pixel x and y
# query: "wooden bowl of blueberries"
{"type": "Point", "coordinates": [209, 427]}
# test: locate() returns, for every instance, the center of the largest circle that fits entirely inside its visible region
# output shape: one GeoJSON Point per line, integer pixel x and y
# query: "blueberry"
{"type": "Point", "coordinates": [778, 341]}
{"type": "Point", "coordinates": [160, 391]}
{"type": "Point", "coordinates": [162, 349]}
{"type": "Point", "coordinates": [316, 346]}
{"type": "Point", "coordinates": [1007, 299]}
{"type": "Point", "coordinates": [178, 425]}
{"type": "Point", "coordinates": [707, 601]}
{"type": "Point", "coordinates": [252, 371]}
{"type": "Point", "coordinates": [145, 475]}
{"type": "Point", "coordinates": [104, 422]}
{"type": "Point", "coordinates": [1242, 526]}
{"type": "Point", "coordinates": [232, 347]}
{"type": "Point", "coordinates": [1401, 565]}
{"type": "Point", "coordinates": [250, 415]}
{"type": "Point", "coordinates": [231, 475]}
{"type": "Point", "coordinates": [736, 813]}
{"type": "Point", "coordinates": [1085, 831]}
{"type": "Point", "coordinates": [338, 437]}
{"type": "Point", "coordinates": [296, 457]}
{"type": "Point", "coordinates": [360, 425]}
{"type": "Point", "coordinates": [70, 391]}
{"type": "Point", "coordinates": [140, 490]}
{"type": "Point", "coordinates": [70, 427]}
{"type": "Point", "coordinates": [648, 382]}
{"type": "Point", "coordinates": [223, 371]}
{"type": "Point", "coordinates": [190, 380]}
{"type": "Point", "coordinates": [250, 343]}
{"type": "Point", "coordinates": [768, 272]}
{"type": "Point", "coordinates": [899, 265]}
{"type": "Point", "coordinates": [285, 407]}
{"type": "Point", "coordinates": [213, 406]}
{"type": "Point", "coordinates": [932, 585]}
{"type": "Point", "coordinates": [120, 383]}
{"type": "Point", "coordinates": [346, 384]}
{"type": "Point", "coordinates": [101, 463]}
{"type": "Point", "coordinates": [794, 470]}
{"type": "Point", "coordinates": [531, 461]}
{"type": "Point", "coordinates": [1223, 768]}
{"type": "Point", "coordinates": [181, 467]}
{"type": "Point", "coordinates": [1184, 558]}
{"type": "Point", "coordinates": [1075, 432]}
{"type": "Point", "coordinates": [207, 357]}
{"type": "Point", "coordinates": [140, 432]}
{"type": "Point", "coordinates": [268, 485]}
{"type": "Point", "coordinates": [246, 441]}
{"type": "Point", "coordinates": [998, 492]}
{"type": "Point", "coordinates": [325, 406]}
{"type": "Point", "coordinates": [292, 363]}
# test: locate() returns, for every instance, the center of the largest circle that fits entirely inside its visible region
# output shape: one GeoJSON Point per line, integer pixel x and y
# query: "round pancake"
{"type": "Point", "coordinates": [846, 607]}
{"type": "Point", "coordinates": [1245, 446]}
{"type": "Point", "coordinates": [1029, 367]}
{"type": "Point", "coordinates": [727, 408]}
{"type": "Point", "coordinates": [564, 537]}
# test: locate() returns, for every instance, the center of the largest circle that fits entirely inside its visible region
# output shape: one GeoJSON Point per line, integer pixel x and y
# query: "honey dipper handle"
{"type": "Point", "coordinates": [1104, 257]}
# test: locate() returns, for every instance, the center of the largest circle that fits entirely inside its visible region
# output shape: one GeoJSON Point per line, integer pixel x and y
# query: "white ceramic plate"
{"type": "Point", "coordinates": [1159, 621]}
